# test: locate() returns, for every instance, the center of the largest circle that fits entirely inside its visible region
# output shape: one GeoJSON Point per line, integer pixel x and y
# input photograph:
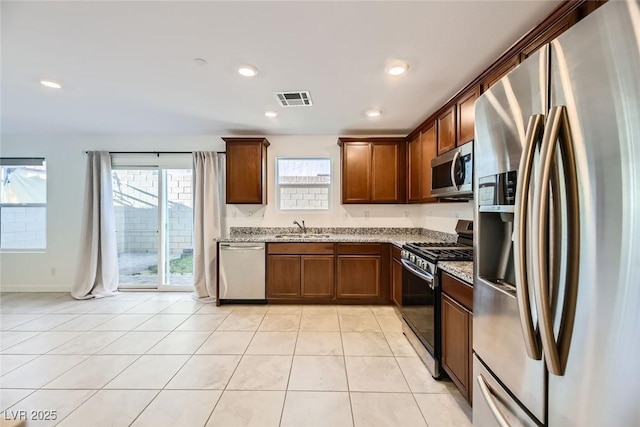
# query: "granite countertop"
{"type": "Point", "coordinates": [396, 236]}
{"type": "Point", "coordinates": [463, 270]}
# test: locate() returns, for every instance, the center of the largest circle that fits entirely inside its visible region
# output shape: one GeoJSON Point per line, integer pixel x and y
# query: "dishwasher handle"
{"type": "Point", "coordinates": [232, 247]}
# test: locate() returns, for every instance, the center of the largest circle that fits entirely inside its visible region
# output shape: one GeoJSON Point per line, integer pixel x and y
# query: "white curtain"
{"type": "Point", "coordinates": [98, 273]}
{"type": "Point", "coordinates": [208, 206]}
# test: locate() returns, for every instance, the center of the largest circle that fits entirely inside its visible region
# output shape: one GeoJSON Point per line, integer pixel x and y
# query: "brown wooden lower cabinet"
{"type": "Point", "coordinates": [358, 276]}
{"type": "Point", "coordinates": [300, 271]}
{"type": "Point", "coordinates": [457, 336]}
{"type": "Point", "coordinates": [363, 273]}
{"type": "Point", "coordinates": [396, 276]}
{"type": "Point", "coordinates": [310, 272]}
{"type": "Point", "coordinates": [317, 276]}
{"type": "Point", "coordinates": [283, 276]}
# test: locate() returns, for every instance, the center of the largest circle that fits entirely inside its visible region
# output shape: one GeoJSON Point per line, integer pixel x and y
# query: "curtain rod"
{"type": "Point", "coordinates": [154, 152]}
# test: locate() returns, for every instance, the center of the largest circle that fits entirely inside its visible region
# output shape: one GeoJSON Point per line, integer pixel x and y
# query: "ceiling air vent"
{"type": "Point", "coordinates": [294, 99]}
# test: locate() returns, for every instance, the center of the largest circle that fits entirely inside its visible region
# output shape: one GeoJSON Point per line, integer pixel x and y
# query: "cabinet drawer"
{"type": "Point", "coordinates": [458, 290]}
{"type": "Point", "coordinates": [359, 248]}
{"type": "Point", "coordinates": [300, 248]}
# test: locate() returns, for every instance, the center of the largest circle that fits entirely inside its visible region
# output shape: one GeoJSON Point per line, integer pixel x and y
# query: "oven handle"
{"type": "Point", "coordinates": [418, 273]}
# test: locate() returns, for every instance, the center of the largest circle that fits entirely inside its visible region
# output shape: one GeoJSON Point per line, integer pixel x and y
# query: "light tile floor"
{"type": "Point", "coordinates": [162, 359]}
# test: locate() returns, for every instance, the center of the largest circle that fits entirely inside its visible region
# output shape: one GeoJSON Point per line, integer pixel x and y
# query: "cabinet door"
{"type": "Point", "coordinates": [356, 172]}
{"type": "Point", "coordinates": [500, 72]}
{"type": "Point", "coordinates": [317, 276]}
{"type": "Point", "coordinates": [359, 276]}
{"type": "Point", "coordinates": [466, 116]}
{"type": "Point", "coordinates": [428, 152]}
{"type": "Point", "coordinates": [455, 343]}
{"type": "Point", "coordinates": [283, 276]}
{"type": "Point", "coordinates": [415, 169]}
{"type": "Point", "coordinates": [447, 130]}
{"type": "Point", "coordinates": [385, 172]}
{"type": "Point", "coordinates": [396, 282]}
{"type": "Point", "coordinates": [246, 171]}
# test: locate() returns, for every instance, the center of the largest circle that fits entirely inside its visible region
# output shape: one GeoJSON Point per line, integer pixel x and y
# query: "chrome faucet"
{"type": "Point", "coordinates": [302, 227]}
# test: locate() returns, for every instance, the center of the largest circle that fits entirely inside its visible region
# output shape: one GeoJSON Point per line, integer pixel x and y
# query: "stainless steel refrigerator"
{"type": "Point", "coordinates": [556, 328]}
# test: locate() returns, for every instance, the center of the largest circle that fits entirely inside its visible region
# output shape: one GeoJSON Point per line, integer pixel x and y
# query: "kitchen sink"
{"type": "Point", "coordinates": [302, 236]}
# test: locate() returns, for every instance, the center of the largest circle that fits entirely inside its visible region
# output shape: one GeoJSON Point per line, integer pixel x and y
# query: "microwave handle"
{"type": "Point", "coordinates": [453, 170]}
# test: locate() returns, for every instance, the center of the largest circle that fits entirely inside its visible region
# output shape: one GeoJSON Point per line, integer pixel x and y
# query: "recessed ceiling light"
{"type": "Point", "coordinates": [247, 70]}
{"type": "Point", "coordinates": [271, 114]}
{"type": "Point", "coordinates": [373, 113]}
{"type": "Point", "coordinates": [397, 68]}
{"type": "Point", "coordinates": [51, 84]}
{"type": "Point", "coordinates": [200, 61]}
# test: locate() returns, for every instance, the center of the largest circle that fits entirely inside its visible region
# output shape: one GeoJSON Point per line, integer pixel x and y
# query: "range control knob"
{"type": "Point", "coordinates": [412, 258]}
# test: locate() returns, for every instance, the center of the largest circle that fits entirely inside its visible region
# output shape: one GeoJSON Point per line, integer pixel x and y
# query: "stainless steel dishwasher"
{"type": "Point", "coordinates": [242, 272]}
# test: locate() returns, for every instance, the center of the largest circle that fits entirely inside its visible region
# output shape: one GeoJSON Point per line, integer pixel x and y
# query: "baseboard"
{"type": "Point", "coordinates": [34, 288]}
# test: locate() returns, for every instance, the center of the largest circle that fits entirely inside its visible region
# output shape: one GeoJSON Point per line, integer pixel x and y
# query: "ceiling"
{"type": "Point", "coordinates": [127, 67]}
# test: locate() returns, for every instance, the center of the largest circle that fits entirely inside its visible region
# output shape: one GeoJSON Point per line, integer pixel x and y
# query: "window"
{"type": "Point", "coordinates": [303, 183]}
{"type": "Point", "coordinates": [23, 203]}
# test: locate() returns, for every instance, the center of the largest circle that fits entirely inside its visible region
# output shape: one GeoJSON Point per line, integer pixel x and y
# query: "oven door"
{"type": "Point", "coordinates": [452, 173]}
{"type": "Point", "coordinates": [420, 307]}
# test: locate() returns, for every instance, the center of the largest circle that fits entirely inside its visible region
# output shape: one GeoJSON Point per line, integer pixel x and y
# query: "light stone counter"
{"type": "Point", "coordinates": [396, 236]}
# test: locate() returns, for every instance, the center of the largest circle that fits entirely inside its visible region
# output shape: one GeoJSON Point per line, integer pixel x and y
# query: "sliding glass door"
{"type": "Point", "coordinates": [154, 222]}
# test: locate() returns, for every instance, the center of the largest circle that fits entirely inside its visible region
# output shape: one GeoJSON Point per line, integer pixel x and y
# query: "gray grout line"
{"type": "Point", "coordinates": [79, 405]}
{"type": "Point", "coordinates": [346, 374]}
{"type": "Point", "coordinates": [286, 391]}
{"type": "Point", "coordinates": [145, 408]}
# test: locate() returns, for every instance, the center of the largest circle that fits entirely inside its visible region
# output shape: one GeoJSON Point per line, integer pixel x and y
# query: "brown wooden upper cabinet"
{"type": "Point", "coordinates": [246, 170]}
{"type": "Point", "coordinates": [447, 130]}
{"type": "Point", "coordinates": [422, 149]}
{"type": "Point", "coordinates": [373, 170]}
{"type": "Point", "coordinates": [548, 35]}
{"type": "Point", "coordinates": [466, 116]}
{"type": "Point", "coordinates": [499, 72]}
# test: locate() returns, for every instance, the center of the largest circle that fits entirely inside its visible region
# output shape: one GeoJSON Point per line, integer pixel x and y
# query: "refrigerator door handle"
{"type": "Point", "coordinates": [486, 394]}
{"type": "Point", "coordinates": [534, 131]}
{"type": "Point", "coordinates": [557, 130]}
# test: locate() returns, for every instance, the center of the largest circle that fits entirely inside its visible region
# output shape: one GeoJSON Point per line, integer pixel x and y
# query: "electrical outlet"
{"type": "Point", "coordinates": [430, 213]}
{"type": "Point", "coordinates": [53, 271]}
{"type": "Point", "coordinates": [235, 214]}
{"type": "Point", "coordinates": [457, 215]}
{"type": "Point", "coordinates": [366, 214]}
{"type": "Point", "coordinates": [406, 214]}
{"type": "Point", "coordinates": [250, 214]}
{"type": "Point", "coordinates": [345, 216]}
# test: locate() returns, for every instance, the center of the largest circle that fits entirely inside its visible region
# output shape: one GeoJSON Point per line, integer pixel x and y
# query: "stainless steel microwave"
{"type": "Point", "coordinates": [452, 173]}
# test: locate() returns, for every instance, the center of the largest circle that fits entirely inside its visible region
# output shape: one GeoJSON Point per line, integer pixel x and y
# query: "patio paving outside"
{"type": "Point", "coordinates": [134, 269]}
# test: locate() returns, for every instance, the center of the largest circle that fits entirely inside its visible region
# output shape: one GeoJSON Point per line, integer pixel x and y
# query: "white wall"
{"type": "Point", "coordinates": [66, 164]}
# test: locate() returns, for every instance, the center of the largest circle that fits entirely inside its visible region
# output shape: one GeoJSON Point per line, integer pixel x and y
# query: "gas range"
{"type": "Point", "coordinates": [421, 309]}
{"type": "Point", "coordinates": [441, 251]}
{"type": "Point", "coordinates": [425, 255]}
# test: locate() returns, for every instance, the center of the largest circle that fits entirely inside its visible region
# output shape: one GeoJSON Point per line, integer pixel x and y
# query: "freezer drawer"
{"type": "Point", "coordinates": [492, 405]}
{"type": "Point", "coordinates": [499, 343]}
